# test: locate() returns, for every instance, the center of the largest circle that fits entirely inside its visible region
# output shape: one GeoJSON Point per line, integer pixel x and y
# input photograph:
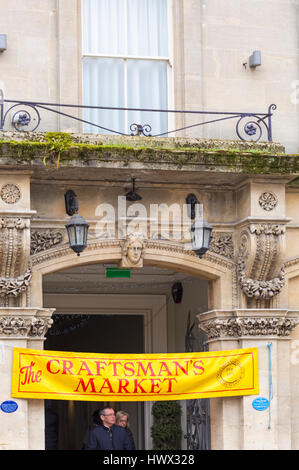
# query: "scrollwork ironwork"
{"type": "Point", "coordinates": [22, 118]}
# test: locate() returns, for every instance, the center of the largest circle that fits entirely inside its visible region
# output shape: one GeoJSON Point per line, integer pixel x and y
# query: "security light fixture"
{"type": "Point", "coordinates": [255, 59]}
{"type": "Point", "coordinates": [77, 227]}
{"type": "Point", "coordinates": [3, 42]}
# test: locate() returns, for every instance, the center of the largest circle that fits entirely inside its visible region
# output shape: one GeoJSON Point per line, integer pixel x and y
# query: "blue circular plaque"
{"type": "Point", "coordinates": [9, 406]}
{"type": "Point", "coordinates": [260, 403]}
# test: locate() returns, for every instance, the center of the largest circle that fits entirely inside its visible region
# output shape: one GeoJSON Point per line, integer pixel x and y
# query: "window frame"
{"type": "Point", "coordinates": [126, 57]}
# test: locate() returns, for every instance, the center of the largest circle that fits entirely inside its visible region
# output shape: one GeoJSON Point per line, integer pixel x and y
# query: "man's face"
{"type": "Point", "coordinates": [109, 418]}
{"type": "Point", "coordinates": [134, 252]}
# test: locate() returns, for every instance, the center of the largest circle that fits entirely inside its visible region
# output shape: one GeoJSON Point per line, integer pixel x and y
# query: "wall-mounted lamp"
{"type": "Point", "coordinates": [3, 42]}
{"type": "Point", "coordinates": [77, 227]}
{"type": "Point", "coordinates": [255, 59]}
{"type": "Point", "coordinates": [132, 195]}
{"type": "Point", "coordinates": [201, 236]}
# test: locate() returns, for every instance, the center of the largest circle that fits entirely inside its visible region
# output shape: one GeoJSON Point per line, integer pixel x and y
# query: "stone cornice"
{"type": "Point", "coordinates": [30, 323]}
{"type": "Point", "coordinates": [249, 323]}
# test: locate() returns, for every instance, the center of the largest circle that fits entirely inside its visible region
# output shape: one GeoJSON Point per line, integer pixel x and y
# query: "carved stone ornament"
{"type": "Point", "coordinates": [222, 244]}
{"type": "Point", "coordinates": [260, 270]}
{"type": "Point", "coordinates": [268, 201]}
{"type": "Point", "coordinates": [235, 328]}
{"type": "Point", "coordinates": [10, 193]}
{"type": "Point", "coordinates": [20, 326]}
{"type": "Point", "coordinates": [15, 272]}
{"type": "Point", "coordinates": [133, 251]}
{"type": "Point", "coordinates": [41, 241]}
{"type": "Point", "coordinates": [15, 286]}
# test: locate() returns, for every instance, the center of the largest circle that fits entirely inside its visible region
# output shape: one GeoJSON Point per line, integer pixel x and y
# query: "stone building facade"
{"type": "Point", "coordinates": [242, 293]}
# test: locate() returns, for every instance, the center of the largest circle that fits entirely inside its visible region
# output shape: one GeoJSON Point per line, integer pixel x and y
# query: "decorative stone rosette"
{"type": "Point", "coordinates": [260, 270]}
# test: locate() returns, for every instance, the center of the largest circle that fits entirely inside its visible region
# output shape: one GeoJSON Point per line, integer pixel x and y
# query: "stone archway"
{"type": "Point", "coordinates": [220, 271]}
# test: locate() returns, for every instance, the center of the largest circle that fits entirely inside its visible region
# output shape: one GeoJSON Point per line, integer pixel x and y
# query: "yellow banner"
{"type": "Point", "coordinates": [134, 377]}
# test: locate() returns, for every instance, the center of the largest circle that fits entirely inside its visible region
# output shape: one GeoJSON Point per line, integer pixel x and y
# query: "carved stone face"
{"type": "Point", "coordinates": [134, 251]}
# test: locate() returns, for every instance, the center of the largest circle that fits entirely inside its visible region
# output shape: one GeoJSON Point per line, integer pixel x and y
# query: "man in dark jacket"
{"type": "Point", "coordinates": [108, 436]}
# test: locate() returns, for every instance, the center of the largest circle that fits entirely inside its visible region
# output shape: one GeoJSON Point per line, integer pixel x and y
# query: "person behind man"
{"type": "Point", "coordinates": [108, 436]}
{"type": "Point", "coordinates": [122, 419]}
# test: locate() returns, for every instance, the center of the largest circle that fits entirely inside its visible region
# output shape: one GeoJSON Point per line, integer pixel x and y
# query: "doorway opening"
{"type": "Point", "coordinates": [67, 422]}
{"type": "Point", "coordinates": [145, 316]}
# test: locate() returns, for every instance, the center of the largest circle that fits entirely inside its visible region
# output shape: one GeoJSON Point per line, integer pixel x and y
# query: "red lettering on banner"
{"type": "Point", "coordinates": [67, 365]}
{"type": "Point", "coordinates": [106, 381]}
{"type": "Point", "coordinates": [170, 384]}
{"type": "Point", "coordinates": [100, 366]}
{"type": "Point", "coordinates": [198, 367]}
{"type": "Point", "coordinates": [85, 387]}
{"type": "Point", "coordinates": [137, 385]}
{"type": "Point", "coordinates": [30, 375]}
{"type": "Point", "coordinates": [155, 385]}
{"type": "Point", "coordinates": [128, 369]}
{"type": "Point", "coordinates": [164, 368]}
{"type": "Point", "coordinates": [114, 365]}
{"type": "Point", "coordinates": [49, 366]}
{"type": "Point", "coordinates": [123, 386]}
{"type": "Point", "coordinates": [149, 366]}
{"type": "Point", "coordinates": [84, 366]}
{"type": "Point", "coordinates": [178, 365]}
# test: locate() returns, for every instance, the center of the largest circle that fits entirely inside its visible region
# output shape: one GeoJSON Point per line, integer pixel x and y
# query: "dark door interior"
{"type": "Point", "coordinates": [96, 334]}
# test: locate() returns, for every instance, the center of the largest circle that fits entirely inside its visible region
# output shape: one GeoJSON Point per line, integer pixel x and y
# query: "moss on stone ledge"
{"type": "Point", "coordinates": [75, 150]}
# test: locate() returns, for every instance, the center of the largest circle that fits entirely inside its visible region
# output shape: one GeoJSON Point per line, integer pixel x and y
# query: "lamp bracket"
{"type": "Point", "coordinates": [71, 202]}
{"type": "Point", "coordinates": [192, 202]}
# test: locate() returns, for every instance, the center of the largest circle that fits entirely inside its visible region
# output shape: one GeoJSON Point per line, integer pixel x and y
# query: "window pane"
{"type": "Point", "coordinates": [147, 28]}
{"type": "Point", "coordinates": [103, 26]}
{"type": "Point", "coordinates": [103, 81]}
{"type": "Point", "coordinates": [147, 88]}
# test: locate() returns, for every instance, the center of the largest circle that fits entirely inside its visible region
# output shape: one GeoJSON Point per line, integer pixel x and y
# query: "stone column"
{"type": "Point", "coordinates": [235, 424]}
{"type": "Point", "coordinates": [21, 324]}
{"type": "Point", "coordinates": [21, 327]}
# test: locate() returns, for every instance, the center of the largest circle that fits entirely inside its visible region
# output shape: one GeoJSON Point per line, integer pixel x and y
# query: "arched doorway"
{"type": "Point", "coordinates": [136, 315]}
{"type": "Point", "coordinates": [208, 283]}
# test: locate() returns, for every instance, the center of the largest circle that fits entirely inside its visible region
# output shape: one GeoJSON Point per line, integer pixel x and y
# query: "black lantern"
{"type": "Point", "coordinates": [76, 227]}
{"type": "Point", "coordinates": [201, 236]}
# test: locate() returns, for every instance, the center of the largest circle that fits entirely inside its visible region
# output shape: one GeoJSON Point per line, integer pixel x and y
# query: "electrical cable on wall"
{"type": "Point", "coordinates": [269, 346]}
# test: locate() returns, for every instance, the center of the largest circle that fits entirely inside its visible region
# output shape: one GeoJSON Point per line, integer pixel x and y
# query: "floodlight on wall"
{"type": "Point", "coordinates": [3, 42]}
{"type": "Point", "coordinates": [77, 227]}
{"type": "Point", "coordinates": [255, 59]}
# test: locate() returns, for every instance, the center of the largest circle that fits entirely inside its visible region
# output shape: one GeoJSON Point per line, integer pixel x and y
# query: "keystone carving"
{"type": "Point", "coordinates": [260, 270]}
{"type": "Point", "coordinates": [133, 251]}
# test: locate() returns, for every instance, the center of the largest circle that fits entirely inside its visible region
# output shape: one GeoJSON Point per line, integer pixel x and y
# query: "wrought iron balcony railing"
{"type": "Point", "coordinates": [26, 116]}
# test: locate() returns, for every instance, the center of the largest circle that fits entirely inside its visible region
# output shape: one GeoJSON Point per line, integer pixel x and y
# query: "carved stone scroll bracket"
{"type": "Point", "coordinates": [253, 323]}
{"type": "Point", "coordinates": [15, 272]}
{"type": "Point", "coordinates": [261, 274]}
{"type": "Point", "coordinates": [25, 323]}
